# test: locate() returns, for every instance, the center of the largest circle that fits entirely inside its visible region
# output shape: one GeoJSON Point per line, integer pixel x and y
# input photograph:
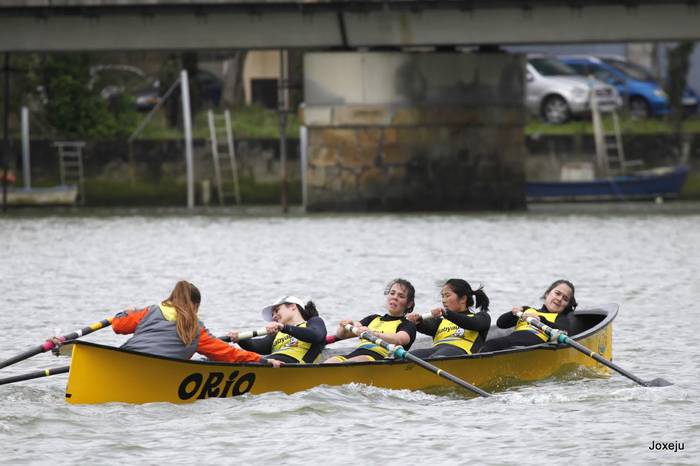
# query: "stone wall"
{"type": "Point", "coordinates": [400, 131]}
{"type": "Point", "coordinates": [159, 160]}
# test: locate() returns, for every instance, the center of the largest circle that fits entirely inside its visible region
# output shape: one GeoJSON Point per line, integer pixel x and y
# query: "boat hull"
{"type": "Point", "coordinates": [102, 374]}
{"type": "Point", "coordinates": [664, 183]}
{"type": "Point", "coordinates": [57, 195]}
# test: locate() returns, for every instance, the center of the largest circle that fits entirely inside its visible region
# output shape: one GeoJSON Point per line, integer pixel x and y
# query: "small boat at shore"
{"type": "Point", "coordinates": [101, 374]}
{"type": "Point", "coordinates": [663, 182]}
{"type": "Point", "coordinates": [61, 195]}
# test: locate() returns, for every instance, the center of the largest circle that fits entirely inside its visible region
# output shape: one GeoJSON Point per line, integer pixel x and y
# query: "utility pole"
{"type": "Point", "coordinates": [187, 124]}
{"type": "Point", "coordinates": [282, 106]}
{"type": "Point", "coordinates": [5, 130]}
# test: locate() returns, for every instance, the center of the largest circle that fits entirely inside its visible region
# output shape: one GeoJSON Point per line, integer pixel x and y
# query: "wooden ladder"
{"type": "Point", "coordinates": [70, 163]}
{"type": "Point", "coordinates": [223, 149]}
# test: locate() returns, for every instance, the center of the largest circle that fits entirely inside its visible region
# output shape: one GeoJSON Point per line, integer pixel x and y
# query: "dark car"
{"type": "Point", "coordinates": [209, 85]}
{"type": "Point", "coordinates": [116, 80]}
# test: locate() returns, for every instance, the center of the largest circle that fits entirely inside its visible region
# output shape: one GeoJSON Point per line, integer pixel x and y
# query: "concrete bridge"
{"type": "Point", "coordinates": [395, 118]}
{"type": "Point", "coordinates": [64, 25]}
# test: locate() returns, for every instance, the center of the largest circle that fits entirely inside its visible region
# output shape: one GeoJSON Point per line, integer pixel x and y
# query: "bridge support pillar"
{"type": "Point", "coordinates": [394, 131]}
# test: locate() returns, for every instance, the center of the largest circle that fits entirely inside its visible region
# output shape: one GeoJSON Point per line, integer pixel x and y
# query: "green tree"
{"type": "Point", "coordinates": [167, 75]}
{"type": "Point", "coordinates": [678, 65]}
{"type": "Point", "coordinates": [74, 110]}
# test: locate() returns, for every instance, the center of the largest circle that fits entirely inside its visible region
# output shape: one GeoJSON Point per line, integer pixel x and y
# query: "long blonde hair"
{"type": "Point", "coordinates": [185, 298]}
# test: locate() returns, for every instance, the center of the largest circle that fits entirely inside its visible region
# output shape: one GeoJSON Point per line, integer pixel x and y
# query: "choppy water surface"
{"type": "Point", "coordinates": [61, 272]}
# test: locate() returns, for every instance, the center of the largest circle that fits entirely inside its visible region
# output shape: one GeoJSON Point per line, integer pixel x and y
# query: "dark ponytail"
{"type": "Point", "coordinates": [482, 301]}
{"type": "Point", "coordinates": [308, 311]}
{"type": "Point", "coordinates": [462, 288]}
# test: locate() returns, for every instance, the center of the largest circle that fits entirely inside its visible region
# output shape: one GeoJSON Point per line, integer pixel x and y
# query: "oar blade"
{"type": "Point", "coordinates": [658, 382]}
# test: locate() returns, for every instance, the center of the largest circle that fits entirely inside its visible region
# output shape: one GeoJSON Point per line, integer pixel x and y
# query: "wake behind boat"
{"type": "Point", "coordinates": [100, 374]}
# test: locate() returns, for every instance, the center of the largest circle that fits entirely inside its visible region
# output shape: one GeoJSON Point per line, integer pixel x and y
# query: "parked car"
{"type": "Point", "coordinates": [115, 80]}
{"type": "Point", "coordinates": [556, 92]}
{"type": "Point", "coordinates": [636, 84]}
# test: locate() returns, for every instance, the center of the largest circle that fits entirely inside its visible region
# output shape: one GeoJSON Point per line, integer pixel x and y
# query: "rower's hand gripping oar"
{"type": "Point", "coordinates": [403, 354]}
{"type": "Point", "coordinates": [561, 337]}
{"type": "Point", "coordinates": [332, 338]}
{"type": "Point", "coordinates": [246, 335]}
{"type": "Point", "coordinates": [49, 344]}
{"type": "Point", "coordinates": [35, 375]}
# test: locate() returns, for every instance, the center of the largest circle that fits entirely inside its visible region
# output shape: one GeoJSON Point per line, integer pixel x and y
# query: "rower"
{"type": "Point", "coordinates": [559, 302]}
{"type": "Point", "coordinates": [392, 327]}
{"type": "Point", "coordinates": [295, 332]}
{"type": "Point", "coordinates": [460, 326]}
{"type": "Point", "coordinates": [172, 329]}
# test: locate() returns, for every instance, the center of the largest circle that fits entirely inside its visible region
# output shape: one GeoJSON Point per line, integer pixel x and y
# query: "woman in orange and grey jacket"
{"type": "Point", "coordinates": [172, 329]}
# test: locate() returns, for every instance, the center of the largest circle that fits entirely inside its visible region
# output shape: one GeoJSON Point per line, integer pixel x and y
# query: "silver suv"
{"type": "Point", "coordinates": [556, 92]}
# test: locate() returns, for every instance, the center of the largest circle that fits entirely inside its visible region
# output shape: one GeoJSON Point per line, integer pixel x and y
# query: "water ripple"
{"type": "Point", "coordinates": [68, 271]}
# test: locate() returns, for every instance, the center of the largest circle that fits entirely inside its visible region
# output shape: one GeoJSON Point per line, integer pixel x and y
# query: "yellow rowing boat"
{"type": "Point", "coordinates": [100, 374]}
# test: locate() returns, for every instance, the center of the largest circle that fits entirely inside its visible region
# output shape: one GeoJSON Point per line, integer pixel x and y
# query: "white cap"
{"type": "Point", "coordinates": [267, 311]}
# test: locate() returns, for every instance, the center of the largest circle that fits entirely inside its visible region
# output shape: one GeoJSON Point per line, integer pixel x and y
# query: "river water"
{"type": "Point", "coordinates": [59, 272]}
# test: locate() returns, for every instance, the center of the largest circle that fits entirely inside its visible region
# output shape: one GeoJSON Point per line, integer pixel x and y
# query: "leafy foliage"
{"type": "Point", "coordinates": [74, 110]}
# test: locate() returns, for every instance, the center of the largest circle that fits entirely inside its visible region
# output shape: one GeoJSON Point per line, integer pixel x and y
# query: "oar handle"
{"type": "Point", "coordinates": [396, 349]}
{"type": "Point", "coordinates": [49, 344]}
{"type": "Point", "coordinates": [35, 375]}
{"type": "Point", "coordinates": [246, 335]}
{"type": "Point", "coordinates": [332, 338]}
{"type": "Point", "coordinates": [551, 332]}
{"type": "Point", "coordinates": [403, 354]}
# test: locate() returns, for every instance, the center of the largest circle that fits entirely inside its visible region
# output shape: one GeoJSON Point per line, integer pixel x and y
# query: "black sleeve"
{"type": "Point", "coordinates": [261, 345]}
{"type": "Point", "coordinates": [368, 320]}
{"type": "Point", "coordinates": [481, 321]}
{"type": "Point", "coordinates": [507, 320]}
{"type": "Point", "coordinates": [314, 332]}
{"type": "Point", "coordinates": [429, 326]}
{"type": "Point", "coordinates": [561, 322]}
{"type": "Point", "coordinates": [408, 327]}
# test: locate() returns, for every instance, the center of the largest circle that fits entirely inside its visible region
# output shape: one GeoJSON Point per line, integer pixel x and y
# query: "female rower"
{"type": "Point", "coordinates": [392, 327]}
{"type": "Point", "coordinates": [295, 334]}
{"type": "Point", "coordinates": [172, 329]}
{"type": "Point", "coordinates": [460, 326]}
{"type": "Point", "coordinates": [559, 301]}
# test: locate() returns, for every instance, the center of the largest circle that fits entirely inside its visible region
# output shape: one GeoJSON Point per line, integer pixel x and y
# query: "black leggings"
{"type": "Point", "coordinates": [283, 357]}
{"type": "Point", "coordinates": [439, 351]}
{"type": "Point", "coordinates": [521, 338]}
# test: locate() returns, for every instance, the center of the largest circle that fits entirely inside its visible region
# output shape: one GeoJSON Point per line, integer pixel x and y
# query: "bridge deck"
{"type": "Point", "coordinates": [56, 25]}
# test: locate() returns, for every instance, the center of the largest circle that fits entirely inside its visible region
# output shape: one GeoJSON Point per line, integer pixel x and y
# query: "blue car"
{"type": "Point", "coordinates": [635, 84]}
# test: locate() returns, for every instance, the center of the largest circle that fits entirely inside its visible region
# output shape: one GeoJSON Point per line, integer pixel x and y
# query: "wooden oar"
{"type": "Point", "coordinates": [35, 375]}
{"type": "Point", "coordinates": [403, 354]}
{"type": "Point", "coordinates": [49, 344]}
{"type": "Point", "coordinates": [561, 337]}
{"type": "Point", "coordinates": [246, 335]}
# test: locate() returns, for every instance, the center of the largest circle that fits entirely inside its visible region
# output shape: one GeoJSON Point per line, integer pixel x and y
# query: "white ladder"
{"type": "Point", "coordinates": [223, 147]}
{"type": "Point", "coordinates": [70, 163]}
{"type": "Point", "coordinates": [610, 152]}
